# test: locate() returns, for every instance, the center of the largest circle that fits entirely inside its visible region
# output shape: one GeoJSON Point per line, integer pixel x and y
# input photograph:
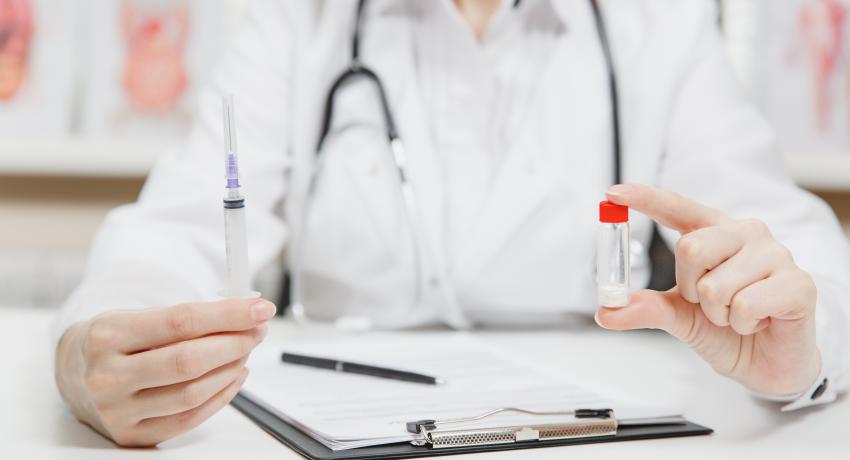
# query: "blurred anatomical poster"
{"type": "Point", "coordinates": [36, 66]}
{"type": "Point", "coordinates": [147, 60]}
{"type": "Point", "coordinates": [801, 73]}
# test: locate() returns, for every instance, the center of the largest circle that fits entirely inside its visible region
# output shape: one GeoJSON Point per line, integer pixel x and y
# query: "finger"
{"type": "Point", "coordinates": [146, 329]}
{"type": "Point", "coordinates": [180, 397]}
{"type": "Point", "coordinates": [717, 287]}
{"type": "Point", "coordinates": [784, 296]}
{"type": "Point", "coordinates": [155, 430]}
{"type": "Point", "coordinates": [191, 359]}
{"type": "Point", "coordinates": [667, 208]}
{"type": "Point", "coordinates": [702, 250]}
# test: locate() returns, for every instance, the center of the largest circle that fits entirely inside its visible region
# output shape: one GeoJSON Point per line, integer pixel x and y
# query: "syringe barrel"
{"type": "Point", "coordinates": [236, 244]}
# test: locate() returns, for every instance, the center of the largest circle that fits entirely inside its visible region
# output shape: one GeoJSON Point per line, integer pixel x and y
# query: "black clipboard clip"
{"type": "Point", "coordinates": [583, 423]}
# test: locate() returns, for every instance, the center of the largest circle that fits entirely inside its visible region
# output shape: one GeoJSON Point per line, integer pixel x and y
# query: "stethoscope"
{"type": "Point", "coordinates": [420, 251]}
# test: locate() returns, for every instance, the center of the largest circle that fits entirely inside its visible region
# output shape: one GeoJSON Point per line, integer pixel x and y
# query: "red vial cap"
{"type": "Point", "coordinates": [611, 213]}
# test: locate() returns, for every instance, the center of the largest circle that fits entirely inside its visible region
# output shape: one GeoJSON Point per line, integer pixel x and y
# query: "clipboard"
{"type": "Point", "coordinates": [312, 449]}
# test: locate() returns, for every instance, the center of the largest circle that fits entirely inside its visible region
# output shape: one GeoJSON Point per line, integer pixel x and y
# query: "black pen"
{"type": "Point", "coordinates": [355, 368]}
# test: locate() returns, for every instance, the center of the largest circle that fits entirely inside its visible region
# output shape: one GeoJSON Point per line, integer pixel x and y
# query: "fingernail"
{"type": "Point", "coordinates": [596, 318]}
{"type": "Point", "coordinates": [262, 310]}
{"type": "Point", "coordinates": [262, 330]}
{"type": "Point", "coordinates": [620, 190]}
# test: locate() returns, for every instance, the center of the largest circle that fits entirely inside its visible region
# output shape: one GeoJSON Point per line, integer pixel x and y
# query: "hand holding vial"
{"type": "Point", "coordinates": [740, 301]}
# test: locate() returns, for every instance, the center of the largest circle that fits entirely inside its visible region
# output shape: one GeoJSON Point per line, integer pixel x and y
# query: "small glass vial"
{"type": "Point", "coordinates": [612, 255]}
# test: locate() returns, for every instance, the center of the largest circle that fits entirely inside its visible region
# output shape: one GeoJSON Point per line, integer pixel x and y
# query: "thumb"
{"type": "Point", "coordinates": [719, 346]}
{"type": "Point", "coordinates": [649, 309]}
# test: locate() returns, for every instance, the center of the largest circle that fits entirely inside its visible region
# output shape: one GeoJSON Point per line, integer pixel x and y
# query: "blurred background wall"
{"type": "Point", "coordinates": [91, 91]}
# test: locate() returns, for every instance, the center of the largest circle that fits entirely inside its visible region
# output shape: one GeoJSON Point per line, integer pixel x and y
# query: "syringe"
{"type": "Point", "coordinates": [235, 236]}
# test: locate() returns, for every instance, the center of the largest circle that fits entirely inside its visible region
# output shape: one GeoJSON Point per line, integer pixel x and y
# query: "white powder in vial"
{"type": "Point", "coordinates": [612, 296]}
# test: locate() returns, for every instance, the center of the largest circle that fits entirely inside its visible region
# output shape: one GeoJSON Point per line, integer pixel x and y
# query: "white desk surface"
{"type": "Point", "coordinates": [642, 365]}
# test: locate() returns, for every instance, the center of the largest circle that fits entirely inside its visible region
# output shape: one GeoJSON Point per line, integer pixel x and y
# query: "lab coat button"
{"type": "Point", "coordinates": [435, 282]}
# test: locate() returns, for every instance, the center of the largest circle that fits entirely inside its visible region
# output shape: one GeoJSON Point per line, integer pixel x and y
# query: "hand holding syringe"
{"type": "Point", "coordinates": [209, 341]}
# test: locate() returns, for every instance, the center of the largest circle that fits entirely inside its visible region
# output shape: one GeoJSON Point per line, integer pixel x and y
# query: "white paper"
{"type": "Point", "coordinates": [347, 410]}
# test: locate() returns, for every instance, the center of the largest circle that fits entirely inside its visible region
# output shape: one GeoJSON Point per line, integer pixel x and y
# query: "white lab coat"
{"type": "Point", "coordinates": [528, 251]}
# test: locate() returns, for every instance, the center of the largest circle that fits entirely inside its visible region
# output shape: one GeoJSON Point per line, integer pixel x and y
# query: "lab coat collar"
{"type": "Point", "coordinates": [552, 8]}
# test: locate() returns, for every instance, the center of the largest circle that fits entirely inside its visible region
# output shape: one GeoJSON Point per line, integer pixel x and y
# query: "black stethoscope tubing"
{"type": "Point", "coordinates": [357, 69]}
